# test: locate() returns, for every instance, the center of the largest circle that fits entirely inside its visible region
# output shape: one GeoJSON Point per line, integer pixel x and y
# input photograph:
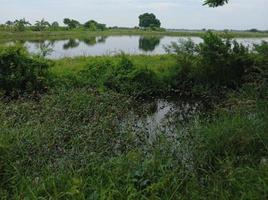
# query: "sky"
{"type": "Point", "coordinates": [179, 14]}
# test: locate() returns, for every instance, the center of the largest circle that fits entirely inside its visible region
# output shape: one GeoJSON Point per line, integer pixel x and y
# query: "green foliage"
{"type": "Point", "coordinates": [55, 25]}
{"type": "Point", "coordinates": [71, 23]}
{"type": "Point", "coordinates": [258, 74]}
{"type": "Point", "coordinates": [41, 25]}
{"type": "Point", "coordinates": [224, 62]}
{"type": "Point", "coordinates": [147, 20]}
{"type": "Point", "coordinates": [20, 25]}
{"type": "Point", "coordinates": [215, 3]}
{"type": "Point", "coordinates": [68, 146]}
{"type": "Point", "coordinates": [20, 72]}
{"type": "Point", "coordinates": [185, 52]}
{"type": "Point", "coordinates": [128, 80]}
{"type": "Point", "coordinates": [94, 26]}
{"type": "Point", "coordinates": [71, 144]}
{"type": "Point", "coordinates": [120, 76]}
{"type": "Point", "coordinates": [215, 62]}
{"type": "Point", "coordinates": [9, 23]}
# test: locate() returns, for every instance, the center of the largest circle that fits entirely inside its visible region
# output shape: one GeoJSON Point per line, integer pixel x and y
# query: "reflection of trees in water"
{"type": "Point", "coordinates": [149, 43]}
{"type": "Point", "coordinates": [72, 43]}
{"type": "Point", "coordinates": [45, 46]}
{"type": "Point", "coordinates": [91, 41]}
{"type": "Point", "coordinates": [102, 39]}
{"type": "Point", "coordinates": [41, 43]}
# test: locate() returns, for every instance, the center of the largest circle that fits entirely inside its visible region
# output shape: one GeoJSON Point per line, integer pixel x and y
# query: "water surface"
{"type": "Point", "coordinates": [110, 45]}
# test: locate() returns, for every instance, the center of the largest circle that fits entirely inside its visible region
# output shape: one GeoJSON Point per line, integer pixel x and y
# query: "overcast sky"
{"type": "Point", "coordinates": [188, 14]}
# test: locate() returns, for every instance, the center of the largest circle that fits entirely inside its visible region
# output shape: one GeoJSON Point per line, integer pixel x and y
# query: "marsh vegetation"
{"type": "Point", "coordinates": [189, 124]}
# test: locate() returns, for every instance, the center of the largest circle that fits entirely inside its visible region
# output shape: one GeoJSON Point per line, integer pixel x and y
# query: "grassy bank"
{"type": "Point", "coordinates": [31, 35]}
{"type": "Point", "coordinates": [65, 140]}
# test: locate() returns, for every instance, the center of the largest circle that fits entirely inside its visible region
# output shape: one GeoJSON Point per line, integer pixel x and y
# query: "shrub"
{"type": "Point", "coordinates": [223, 62]}
{"type": "Point", "coordinates": [185, 51]}
{"type": "Point", "coordinates": [21, 72]}
{"type": "Point", "coordinates": [120, 76]}
{"type": "Point", "coordinates": [96, 73]}
{"type": "Point", "coordinates": [215, 62]}
{"type": "Point", "coordinates": [128, 79]}
{"type": "Point", "coordinates": [258, 74]}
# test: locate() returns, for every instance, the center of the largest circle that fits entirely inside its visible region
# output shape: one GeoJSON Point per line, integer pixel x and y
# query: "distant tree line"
{"type": "Point", "coordinates": [43, 25]}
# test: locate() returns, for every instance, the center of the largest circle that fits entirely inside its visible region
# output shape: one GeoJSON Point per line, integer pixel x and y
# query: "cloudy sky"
{"type": "Point", "coordinates": [188, 14]}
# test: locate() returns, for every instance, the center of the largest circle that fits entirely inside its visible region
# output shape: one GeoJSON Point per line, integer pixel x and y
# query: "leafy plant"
{"type": "Point", "coordinates": [20, 25]}
{"type": "Point", "coordinates": [215, 62]}
{"type": "Point", "coordinates": [41, 25]}
{"type": "Point", "coordinates": [21, 72]}
{"type": "Point", "coordinates": [149, 20]}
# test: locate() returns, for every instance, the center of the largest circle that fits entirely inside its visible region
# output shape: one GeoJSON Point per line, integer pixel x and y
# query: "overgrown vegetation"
{"type": "Point", "coordinates": [70, 143]}
{"type": "Point", "coordinates": [21, 72]}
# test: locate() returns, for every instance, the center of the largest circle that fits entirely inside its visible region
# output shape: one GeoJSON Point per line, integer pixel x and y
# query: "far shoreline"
{"type": "Point", "coordinates": [67, 34]}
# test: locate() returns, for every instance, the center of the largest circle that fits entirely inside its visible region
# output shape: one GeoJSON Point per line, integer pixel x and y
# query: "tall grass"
{"type": "Point", "coordinates": [69, 144]}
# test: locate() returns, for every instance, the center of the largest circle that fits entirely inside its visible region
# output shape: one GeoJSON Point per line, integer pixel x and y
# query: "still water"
{"type": "Point", "coordinates": [110, 45]}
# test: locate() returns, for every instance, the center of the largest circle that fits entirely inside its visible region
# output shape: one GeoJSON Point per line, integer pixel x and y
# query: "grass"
{"type": "Point", "coordinates": [70, 144]}
{"type": "Point", "coordinates": [32, 35]}
{"type": "Point", "coordinates": [159, 64]}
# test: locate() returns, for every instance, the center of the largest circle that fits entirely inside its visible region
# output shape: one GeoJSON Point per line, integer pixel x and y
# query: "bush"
{"type": "Point", "coordinates": [130, 80]}
{"type": "Point", "coordinates": [215, 62]}
{"type": "Point", "coordinates": [120, 76]}
{"type": "Point", "coordinates": [223, 62]}
{"type": "Point", "coordinates": [21, 72]}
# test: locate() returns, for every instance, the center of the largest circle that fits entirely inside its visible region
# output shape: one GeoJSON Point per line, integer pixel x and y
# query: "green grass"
{"type": "Point", "coordinates": [31, 35]}
{"type": "Point", "coordinates": [69, 143]}
{"type": "Point", "coordinates": [159, 64]}
{"type": "Point", "coordinates": [68, 146]}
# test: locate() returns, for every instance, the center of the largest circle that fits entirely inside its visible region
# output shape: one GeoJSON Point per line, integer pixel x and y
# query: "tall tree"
{"type": "Point", "coordinates": [21, 24]}
{"type": "Point", "coordinates": [149, 20]}
{"type": "Point", "coordinates": [93, 25]}
{"type": "Point", "coordinates": [71, 23]}
{"type": "Point", "coordinates": [55, 25]}
{"type": "Point", "coordinates": [41, 25]}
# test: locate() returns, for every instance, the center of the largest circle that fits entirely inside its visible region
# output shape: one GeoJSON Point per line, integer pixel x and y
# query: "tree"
{"type": "Point", "coordinates": [41, 25]}
{"type": "Point", "coordinates": [93, 25]}
{"type": "Point", "coordinates": [9, 23]}
{"type": "Point", "coordinates": [20, 25]}
{"type": "Point", "coordinates": [55, 25]}
{"type": "Point", "coordinates": [149, 20]}
{"type": "Point", "coordinates": [71, 23]}
{"type": "Point", "coordinates": [215, 3]}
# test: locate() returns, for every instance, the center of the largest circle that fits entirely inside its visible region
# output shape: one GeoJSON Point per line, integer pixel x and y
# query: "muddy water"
{"type": "Point", "coordinates": [163, 116]}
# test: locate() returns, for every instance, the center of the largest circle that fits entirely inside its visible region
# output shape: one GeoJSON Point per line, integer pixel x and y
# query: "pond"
{"type": "Point", "coordinates": [163, 116]}
{"type": "Point", "coordinates": [166, 117]}
{"type": "Point", "coordinates": [110, 45]}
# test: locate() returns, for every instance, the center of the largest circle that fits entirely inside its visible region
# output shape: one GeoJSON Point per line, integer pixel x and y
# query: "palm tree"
{"type": "Point", "coordinates": [21, 24]}
{"type": "Point", "coordinates": [41, 25]}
